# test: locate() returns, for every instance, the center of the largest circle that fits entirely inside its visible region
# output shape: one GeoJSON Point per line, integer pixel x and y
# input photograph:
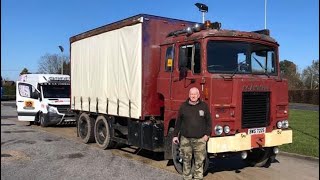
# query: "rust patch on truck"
{"type": "Point", "coordinates": [257, 140]}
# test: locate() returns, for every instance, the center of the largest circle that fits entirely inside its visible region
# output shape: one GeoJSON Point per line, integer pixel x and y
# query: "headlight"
{"type": "Point", "coordinates": [226, 129]}
{"type": "Point", "coordinates": [279, 124]}
{"type": "Point", "coordinates": [285, 124]}
{"type": "Point", "coordinates": [218, 130]}
{"type": "Point", "coordinates": [52, 109]}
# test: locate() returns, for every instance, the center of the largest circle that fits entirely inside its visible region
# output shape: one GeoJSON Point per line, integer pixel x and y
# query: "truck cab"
{"type": "Point", "coordinates": [44, 99]}
{"type": "Point", "coordinates": [238, 76]}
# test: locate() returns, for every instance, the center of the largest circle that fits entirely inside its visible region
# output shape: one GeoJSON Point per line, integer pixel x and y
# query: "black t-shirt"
{"type": "Point", "coordinates": [194, 121]}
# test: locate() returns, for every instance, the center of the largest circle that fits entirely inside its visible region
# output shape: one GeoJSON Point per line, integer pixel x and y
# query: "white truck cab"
{"type": "Point", "coordinates": [44, 99]}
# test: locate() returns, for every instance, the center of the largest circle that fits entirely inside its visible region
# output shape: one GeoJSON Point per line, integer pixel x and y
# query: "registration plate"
{"type": "Point", "coordinates": [257, 130]}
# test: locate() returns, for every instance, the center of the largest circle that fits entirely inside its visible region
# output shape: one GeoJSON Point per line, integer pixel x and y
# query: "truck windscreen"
{"type": "Point", "coordinates": [56, 91]}
{"type": "Point", "coordinates": [240, 57]}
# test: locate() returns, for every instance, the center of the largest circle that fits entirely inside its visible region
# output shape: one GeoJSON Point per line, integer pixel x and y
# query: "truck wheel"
{"type": "Point", "coordinates": [37, 119]}
{"type": "Point", "coordinates": [259, 157]}
{"type": "Point", "coordinates": [85, 128]}
{"type": "Point", "coordinates": [102, 133]}
{"type": "Point", "coordinates": [177, 159]}
{"type": "Point", "coordinates": [43, 122]}
{"type": "Point", "coordinates": [175, 148]}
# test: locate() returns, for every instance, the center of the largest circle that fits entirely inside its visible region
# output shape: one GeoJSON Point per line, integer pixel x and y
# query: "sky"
{"type": "Point", "coordinates": [30, 29]}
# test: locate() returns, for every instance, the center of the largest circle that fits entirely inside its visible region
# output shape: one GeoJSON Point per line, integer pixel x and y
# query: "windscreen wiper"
{"type": "Point", "coordinates": [236, 69]}
{"type": "Point", "coordinates": [265, 69]}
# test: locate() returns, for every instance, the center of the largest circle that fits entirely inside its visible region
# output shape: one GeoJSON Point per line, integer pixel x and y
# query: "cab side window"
{"type": "Point", "coordinates": [190, 57]}
{"type": "Point", "coordinates": [197, 59]}
{"type": "Point", "coordinates": [27, 90]}
{"type": "Point", "coordinates": [169, 59]}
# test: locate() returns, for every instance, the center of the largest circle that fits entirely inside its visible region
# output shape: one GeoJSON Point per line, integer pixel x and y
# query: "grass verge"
{"type": "Point", "coordinates": [305, 127]}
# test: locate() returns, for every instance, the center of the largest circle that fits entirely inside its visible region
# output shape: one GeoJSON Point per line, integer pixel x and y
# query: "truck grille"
{"type": "Point", "coordinates": [255, 109]}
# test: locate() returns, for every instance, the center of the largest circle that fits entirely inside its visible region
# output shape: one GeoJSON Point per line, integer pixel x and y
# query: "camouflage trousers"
{"type": "Point", "coordinates": [197, 148]}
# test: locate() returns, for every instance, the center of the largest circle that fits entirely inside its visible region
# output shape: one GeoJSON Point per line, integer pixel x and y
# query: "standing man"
{"type": "Point", "coordinates": [194, 126]}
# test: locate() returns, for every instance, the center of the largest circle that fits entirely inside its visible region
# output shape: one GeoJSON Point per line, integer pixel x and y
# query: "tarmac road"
{"type": "Point", "coordinates": [28, 153]}
{"type": "Point", "coordinates": [32, 152]}
{"type": "Point", "coordinates": [301, 106]}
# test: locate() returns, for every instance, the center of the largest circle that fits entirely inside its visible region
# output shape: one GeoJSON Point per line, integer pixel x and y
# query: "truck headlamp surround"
{"type": "Point", "coordinates": [218, 130]}
{"type": "Point", "coordinates": [279, 124]}
{"type": "Point", "coordinates": [226, 129]}
{"type": "Point", "coordinates": [52, 109]}
{"type": "Point", "coordinates": [285, 124]}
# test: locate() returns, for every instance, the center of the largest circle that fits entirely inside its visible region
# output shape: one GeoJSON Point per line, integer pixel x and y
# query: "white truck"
{"type": "Point", "coordinates": [44, 99]}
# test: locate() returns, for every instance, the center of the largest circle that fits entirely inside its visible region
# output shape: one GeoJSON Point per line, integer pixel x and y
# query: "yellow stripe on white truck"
{"type": "Point", "coordinates": [242, 141]}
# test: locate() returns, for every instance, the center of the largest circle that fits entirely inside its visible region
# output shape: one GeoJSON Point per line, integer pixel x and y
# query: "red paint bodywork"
{"type": "Point", "coordinates": [163, 92]}
{"type": "Point", "coordinates": [155, 29]}
{"type": "Point", "coordinates": [224, 95]}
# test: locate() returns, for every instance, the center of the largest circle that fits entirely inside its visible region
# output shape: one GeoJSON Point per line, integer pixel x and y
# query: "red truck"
{"type": "Point", "coordinates": [128, 79]}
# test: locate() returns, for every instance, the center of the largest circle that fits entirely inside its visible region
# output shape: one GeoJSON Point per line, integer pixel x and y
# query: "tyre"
{"type": "Point", "coordinates": [102, 133]}
{"type": "Point", "coordinates": [37, 119]}
{"type": "Point", "coordinates": [259, 157]}
{"type": "Point", "coordinates": [177, 159]}
{"type": "Point", "coordinates": [86, 128]}
{"type": "Point", "coordinates": [30, 123]}
{"type": "Point", "coordinates": [43, 121]}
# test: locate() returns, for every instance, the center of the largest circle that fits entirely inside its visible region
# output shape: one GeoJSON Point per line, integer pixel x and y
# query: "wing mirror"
{"type": "Point", "coordinates": [35, 95]}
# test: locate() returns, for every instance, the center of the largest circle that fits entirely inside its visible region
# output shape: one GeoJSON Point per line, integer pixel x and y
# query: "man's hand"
{"type": "Point", "coordinates": [175, 140]}
{"type": "Point", "coordinates": [205, 138]}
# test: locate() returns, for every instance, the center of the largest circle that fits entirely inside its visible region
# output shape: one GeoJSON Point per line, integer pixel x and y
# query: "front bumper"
{"type": "Point", "coordinates": [243, 141]}
{"type": "Point", "coordinates": [56, 119]}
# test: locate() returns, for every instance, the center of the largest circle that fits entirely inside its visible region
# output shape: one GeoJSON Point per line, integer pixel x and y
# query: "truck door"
{"type": "Point", "coordinates": [188, 73]}
{"type": "Point", "coordinates": [27, 99]}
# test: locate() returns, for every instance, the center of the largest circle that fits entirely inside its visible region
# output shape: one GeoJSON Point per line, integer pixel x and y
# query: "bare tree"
{"type": "Point", "coordinates": [311, 75]}
{"type": "Point", "coordinates": [51, 64]}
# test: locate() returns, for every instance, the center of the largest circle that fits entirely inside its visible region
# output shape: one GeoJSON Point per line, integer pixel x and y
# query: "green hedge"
{"type": "Point", "coordinates": [304, 96]}
{"type": "Point", "coordinates": [9, 90]}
